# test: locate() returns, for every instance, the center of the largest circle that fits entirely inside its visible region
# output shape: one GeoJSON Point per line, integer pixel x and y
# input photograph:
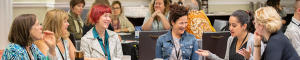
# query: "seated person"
{"type": "Point", "coordinates": [156, 19]}
{"type": "Point", "coordinates": [25, 29]}
{"type": "Point", "coordinates": [197, 20]}
{"type": "Point", "coordinates": [75, 20]}
{"type": "Point", "coordinates": [177, 44]}
{"type": "Point", "coordinates": [241, 37]}
{"type": "Point", "coordinates": [119, 21]}
{"type": "Point", "coordinates": [99, 42]}
{"type": "Point", "coordinates": [56, 21]}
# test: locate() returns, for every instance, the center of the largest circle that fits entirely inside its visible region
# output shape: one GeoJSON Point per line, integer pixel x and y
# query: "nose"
{"type": "Point", "coordinates": [230, 28]}
{"type": "Point", "coordinates": [68, 24]}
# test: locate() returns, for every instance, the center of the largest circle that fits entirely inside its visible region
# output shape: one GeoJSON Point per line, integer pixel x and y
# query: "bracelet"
{"type": "Point", "coordinates": [151, 16]}
{"type": "Point", "coordinates": [257, 45]}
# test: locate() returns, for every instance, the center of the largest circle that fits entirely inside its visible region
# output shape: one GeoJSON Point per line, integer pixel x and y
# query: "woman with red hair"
{"type": "Point", "coordinates": [99, 42]}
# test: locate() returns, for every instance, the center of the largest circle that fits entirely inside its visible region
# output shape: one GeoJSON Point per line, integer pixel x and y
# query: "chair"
{"type": "Point", "coordinates": [216, 42]}
{"type": "Point", "coordinates": [147, 44]}
{"type": "Point", "coordinates": [73, 39]}
{"type": "Point", "coordinates": [219, 24]}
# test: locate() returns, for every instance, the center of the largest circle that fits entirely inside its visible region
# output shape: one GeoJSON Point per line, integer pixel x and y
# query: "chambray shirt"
{"type": "Point", "coordinates": [96, 35]}
{"type": "Point", "coordinates": [188, 46]}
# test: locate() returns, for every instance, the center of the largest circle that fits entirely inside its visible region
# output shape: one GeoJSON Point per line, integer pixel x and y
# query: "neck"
{"type": "Point", "coordinates": [115, 18]}
{"type": "Point", "coordinates": [296, 16]}
{"type": "Point", "coordinates": [174, 34]}
{"type": "Point", "coordinates": [242, 37]}
{"type": "Point", "coordinates": [100, 31]}
{"type": "Point", "coordinates": [267, 35]}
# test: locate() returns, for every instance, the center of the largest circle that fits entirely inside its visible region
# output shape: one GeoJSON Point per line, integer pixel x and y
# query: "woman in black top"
{"type": "Point", "coordinates": [267, 24]}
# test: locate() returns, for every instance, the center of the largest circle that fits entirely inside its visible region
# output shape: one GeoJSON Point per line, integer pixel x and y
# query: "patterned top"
{"type": "Point", "coordinates": [178, 50]}
{"type": "Point", "coordinates": [16, 52]}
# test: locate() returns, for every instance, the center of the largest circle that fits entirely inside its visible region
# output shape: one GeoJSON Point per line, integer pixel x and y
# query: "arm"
{"type": "Point", "coordinates": [85, 47]}
{"type": "Point", "coordinates": [147, 22]}
{"type": "Point", "coordinates": [158, 50]}
{"type": "Point", "coordinates": [118, 50]}
{"type": "Point", "coordinates": [294, 39]}
{"type": "Point", "coordinates": [195, 56]}
{"type": "Point", "coordinates": [71, 49]}
{"type": "Point", "coordinates": [165, 21]}
{"type": "Point", "coordinates": [129, 26]}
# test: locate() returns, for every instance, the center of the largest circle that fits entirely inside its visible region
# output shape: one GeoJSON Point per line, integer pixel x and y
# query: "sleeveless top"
{"type": "Point", "coordinates": [66, 53]}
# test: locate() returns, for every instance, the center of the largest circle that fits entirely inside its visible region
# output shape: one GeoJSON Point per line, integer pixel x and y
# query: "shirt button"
{"type": "Point", "coordinates": [183, 52]}
{"type": "Point", "coordinates": [169, 54]}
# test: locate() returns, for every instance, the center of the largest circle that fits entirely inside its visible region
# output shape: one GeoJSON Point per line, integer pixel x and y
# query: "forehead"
{"type": "Point", "coordinates": [116, 5]}
{"type": "Point", "coordinates": [159, 1]}
{"type": "Point", "coordinates": [233, 19]}
{"type": "Point", "coordinates": [182, 19]}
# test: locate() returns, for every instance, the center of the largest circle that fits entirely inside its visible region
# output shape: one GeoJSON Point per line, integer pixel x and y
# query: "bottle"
{"type": "Point", "coordinates": [79, 55]}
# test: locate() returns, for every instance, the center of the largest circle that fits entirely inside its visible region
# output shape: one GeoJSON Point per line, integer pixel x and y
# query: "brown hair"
{"type": "Point", "coordinates": [114, 3]}
{"type": "Point", "coordinates": [53, 22]}
{"type": "Point", "coordinates": [20, 30]}
{"type": "Point", "coordinates": [273, 3]}
{"type": "Point", "coordinates": [75, 2]}
{"type": "Point", "coordinates": [104, 2]}
{"type": "Point", "coordinates": [177, 11]}
{"type": "Point", "coordinates": [152, 10]}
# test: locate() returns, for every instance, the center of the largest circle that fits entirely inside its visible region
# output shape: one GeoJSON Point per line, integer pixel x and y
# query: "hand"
{"type": "Point", "coordinates": [257, 38]}
{"type": "Point", "coordinates": [118, 30]}
{"type": "Point", "coordinates": [156, 13]}
{"type": "Point", "coordinates": [49, 39]}
{"type": "Point", "coordinates": [202, 52]}
{"type": "Point", "coordinates": [245, 53]}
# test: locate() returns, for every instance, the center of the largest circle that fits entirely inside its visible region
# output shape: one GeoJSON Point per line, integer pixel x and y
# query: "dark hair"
{"type": "Point", "coordinates": [97, 11]}
{"type": "Point", "coordinates": [245, 17]}
{"type": "Point", "coordinates": [177, 11]}
{"type": "Point", "coordinates": [273, 3]}
{"type": "Point", "coordinates": [20, 30]}
{"type": "Point", "coordinates": [75, 2]}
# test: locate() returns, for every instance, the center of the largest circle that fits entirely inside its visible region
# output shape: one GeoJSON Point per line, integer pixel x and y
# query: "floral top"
{"type": "Point", "coordinates": [16, 52]}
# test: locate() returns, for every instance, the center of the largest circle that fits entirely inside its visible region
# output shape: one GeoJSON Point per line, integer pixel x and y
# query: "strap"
{"type": "Point", "coordinates": [177, 53]}
{"type": "Point", "coordinates": [243, 41]}
{"type": "Point", "coordinates": [296, 24]}
{"type": "Point", "coordinates": [104, 49]}
{"type": "Point", "coordinates": [64, 48]}
{"type": "Point", "coordinates": [28, 53]}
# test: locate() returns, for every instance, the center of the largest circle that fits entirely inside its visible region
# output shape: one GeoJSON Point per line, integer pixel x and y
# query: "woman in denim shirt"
{"type": "Point", "coordinates": [177, 44]}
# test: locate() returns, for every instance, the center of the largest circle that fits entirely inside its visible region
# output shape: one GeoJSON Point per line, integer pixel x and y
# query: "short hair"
{"type": "Point", "coordinates": [245, 17]}
{"type": "Point", "coordinates": [152, 10]}
{"type": "Point", "coordinates": [176, 12]}
{"type": "Point", "coordinates": [269, 18]}
{"type": "Point", "coordinates": [53, 21]}
{"type": "Point", "coordinates": [96, 2]}
{"type": "Point", "coordinates": [75, 2]}
{"type": "Point", "coordinates": [20, 30]}
{"type": "Point", "coordinates": [296, 5]}
{"type": "Point", "coordinates": [97, 11]}
{"type": "Point", "coordinates": [191, 5]}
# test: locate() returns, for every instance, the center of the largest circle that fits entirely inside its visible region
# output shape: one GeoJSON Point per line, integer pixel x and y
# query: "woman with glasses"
{"type": "Point", "coordinates": [119, 22]}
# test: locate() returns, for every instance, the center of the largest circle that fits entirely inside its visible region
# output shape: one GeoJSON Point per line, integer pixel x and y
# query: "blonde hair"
{"type": "Point", "coordinates": [152, 10]}
{"type": "Point", "coordinates": [53, 22]}
{"type": "Point", "coordinates": [268, 17]}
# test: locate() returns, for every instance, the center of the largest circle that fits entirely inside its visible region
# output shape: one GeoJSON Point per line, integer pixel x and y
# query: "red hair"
{"type": "Point", "coordinates": [97, 11]}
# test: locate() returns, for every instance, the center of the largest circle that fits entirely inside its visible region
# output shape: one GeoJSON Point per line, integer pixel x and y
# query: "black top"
{"type": "Point", "coordinates": [86, 28]}
{"type": "Point", "coordinates": [279, 48]}
{"type": "Point", "coordinates": [232, 51]}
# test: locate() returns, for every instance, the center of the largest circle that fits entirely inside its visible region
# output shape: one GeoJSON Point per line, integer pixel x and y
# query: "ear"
{"type": "Point", "coordinates": [298, 10]}
{"type": "Point", "coordinates": [245, 26]}
{"type": "Point", "coordinates": [173, 23]}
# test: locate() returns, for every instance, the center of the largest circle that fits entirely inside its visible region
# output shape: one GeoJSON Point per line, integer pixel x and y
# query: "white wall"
{"type": "Point", "coordinates": [5, 21]}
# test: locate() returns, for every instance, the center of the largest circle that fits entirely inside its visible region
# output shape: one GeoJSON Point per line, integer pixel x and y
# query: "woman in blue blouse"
{"type": "Point", "coordinates": [24, 30]}
{"type": "Point", "coordinates": [177, 44]}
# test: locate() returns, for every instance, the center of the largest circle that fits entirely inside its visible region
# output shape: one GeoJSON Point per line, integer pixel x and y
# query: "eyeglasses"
{"type": "Point", "coordinates": [116, 8]}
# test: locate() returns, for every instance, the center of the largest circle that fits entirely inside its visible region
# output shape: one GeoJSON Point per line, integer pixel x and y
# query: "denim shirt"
{"type": "Point", "coordinates": [188, 46]}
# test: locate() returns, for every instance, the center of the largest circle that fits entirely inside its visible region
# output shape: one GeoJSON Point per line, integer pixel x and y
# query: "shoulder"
{"type": "Point", "coordinates": [112, 34]}
{"type": "Point", "coordinates": [13, 50]}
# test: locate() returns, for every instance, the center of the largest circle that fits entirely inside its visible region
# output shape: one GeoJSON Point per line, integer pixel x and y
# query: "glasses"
{"type": "Point", "coordinates": [117, 8]}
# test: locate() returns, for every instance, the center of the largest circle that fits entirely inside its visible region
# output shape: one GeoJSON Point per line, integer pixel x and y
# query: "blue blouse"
{"type": "Point", "coordinates": [16, 52]}
{"type": "Point", "coordinates": [96, 35]}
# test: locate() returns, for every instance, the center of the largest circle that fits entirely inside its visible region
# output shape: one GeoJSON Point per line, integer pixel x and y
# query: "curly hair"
{"type": "Point", "coordinates": [152, 10]}
{"type": "Point", "coordinates": [177, 11]}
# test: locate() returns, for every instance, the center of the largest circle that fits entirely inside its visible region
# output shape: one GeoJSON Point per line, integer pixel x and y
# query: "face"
{"type": "Point", "coordinates": [64, 27]}
{"type": "Point", "coordinates": [77, 9]}
{"type": "Point", "coordinates": [235, 27]}
{"type": "Point", "coordinates": [258, 27]}
{"type": "Point", "coordinates": [180, 25]}
{"type": "Point", "coordinates": [36, 31]}
{"type": "Point", "coordinates": [116, 9]}
{"type": "Point", "coordinates": [104, 20]}
{"type": "Point", "coordinates": [159, 5]}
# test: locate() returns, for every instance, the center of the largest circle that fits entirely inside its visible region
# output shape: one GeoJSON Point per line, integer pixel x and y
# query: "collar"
{"type": "Point", "coordinates": [170, 37]}
{"type": "Point", "coordinates": [72, 15]}
{"type": "Point", "coordinates": [96, 35]}
{"type": "Point", "coordinates": [296, 21]}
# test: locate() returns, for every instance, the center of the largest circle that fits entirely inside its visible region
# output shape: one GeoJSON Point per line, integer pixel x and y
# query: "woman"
{"type": "Point", "coordinates": [276, 4]}
{"type": "Point", "coordinates": [24, 30]}
{"type": "Point", "coordinates": [156, 19]}
{"type": "Point", "coordinates": [75, 20]}
{"type": "Point", "coordinates": [267, 25]}
{"type": "Point", "coordinates": [119, 22]}
{"type": "Point", "coordinates": [56, 21]}
{"type": "Point", "coordinates": [99, 42]}
{"type": "Point", "coordinates": [241, 37]}
{"type": "Point", "coordinates": [177, 36]}
{"type": "Point", "coordinates": [88, 25]}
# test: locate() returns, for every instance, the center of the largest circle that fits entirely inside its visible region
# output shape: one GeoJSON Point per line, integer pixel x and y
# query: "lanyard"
{"type": "Point", "coordinates": [177, 53]}
{"type": "Point", "coordinates": [60, 51]}
{"type": "Point", "coordinates": [296, 24]}
{"type": "Point", "coordinates": [28, 53]}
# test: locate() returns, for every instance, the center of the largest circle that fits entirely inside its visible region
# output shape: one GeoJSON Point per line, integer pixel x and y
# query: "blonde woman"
{"type": "Point", "coordinates": [119, 21]}
{"type": "Point", "coordinates": [157, 18]}
{"type": "Point", "coordinates": [56, 21]}
{"type": "Point", "coordinates": [267, 24]}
